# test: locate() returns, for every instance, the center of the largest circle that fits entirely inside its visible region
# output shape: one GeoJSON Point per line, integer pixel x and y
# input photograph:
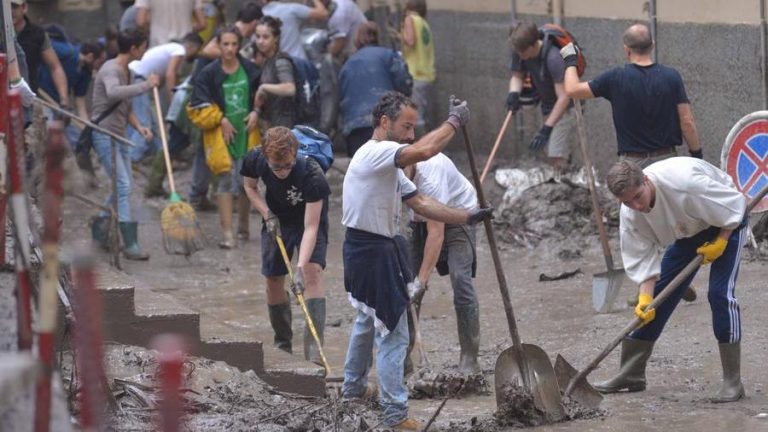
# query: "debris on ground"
{"type": "Point", "coordinates": [564, 275]}
{"type": "Point", "coordinates": [518, 408]}
{"type": "Point", "coordinates": [426, 383]}
{"type": "Point", "coordinates": [537, 207]}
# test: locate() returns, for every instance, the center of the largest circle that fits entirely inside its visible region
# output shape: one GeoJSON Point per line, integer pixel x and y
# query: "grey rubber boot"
{"type": "Point", "coordinates": [631, 377]}
{"type": "Point", "coordinates": [316, 309]}
{"type": "Point", "coordinates": [468, 323]}
{"type": "Point", "coordinates": [129, 231]}
{"type": "Point", "coordinates": [100, 232]}
{"type": "Point", "coordinates": [732, 388]}
{"type": "Point", "coordinates": [280, 318]}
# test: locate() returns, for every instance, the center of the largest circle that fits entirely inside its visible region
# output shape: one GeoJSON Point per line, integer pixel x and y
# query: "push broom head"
{"type": "Point", "coordinates": [181, 231]}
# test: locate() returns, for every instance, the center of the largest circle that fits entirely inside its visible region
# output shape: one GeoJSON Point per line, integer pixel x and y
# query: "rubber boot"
{"type": "Point", "coordinates": [631, 377]}
{"type": "Point", "coordinates": [100, 232]}
{"type": "Point", "coordinates": [316, 309]}
{"type": "Point", "coordinates": [131, 249]}
{"type": "Point", "coordinates": [280, 318]}
{"type": "Point", "coordinates": [156, 177]}
{"type": "Point", "coordinates": [732, 388]}
{"type": "Point", "coordinates": [243, 217]}
{"type": "Point", "coordinates": [225, 219]}
{"type": "Point", "coordinates": [468, 323]}
{"type": "Point", "coordinates": [85, 164]}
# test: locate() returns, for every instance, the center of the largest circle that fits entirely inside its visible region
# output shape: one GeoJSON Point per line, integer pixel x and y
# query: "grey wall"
{"type": "Point", "coordinates": [719, 63]}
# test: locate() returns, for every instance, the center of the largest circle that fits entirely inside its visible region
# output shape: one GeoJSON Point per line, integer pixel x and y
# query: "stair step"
{"type": "Point", "coordinates": [291, 373]}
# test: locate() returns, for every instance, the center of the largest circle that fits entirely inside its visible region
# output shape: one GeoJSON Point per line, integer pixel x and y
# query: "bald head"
{"type": "Point", "coordinates": [638, 39]}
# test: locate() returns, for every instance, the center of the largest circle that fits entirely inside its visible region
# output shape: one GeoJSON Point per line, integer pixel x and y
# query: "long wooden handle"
{"type": "Point", "coordinates": [592, 188]}
{"type": "Point", "coordinates": [86, 122]}
{"type": "Point", "coordinates": [164, 139]}
{"type": "Point", "coordinates": [496, 146]}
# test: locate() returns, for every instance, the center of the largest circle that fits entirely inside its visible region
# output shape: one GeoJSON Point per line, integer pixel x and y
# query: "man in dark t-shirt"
{"type": "Point", "coordinates": [546, 68]}
{"type": "Point", "coordinates": [651, 110]}
{"type": "Point", "coordinates": [295, 207]}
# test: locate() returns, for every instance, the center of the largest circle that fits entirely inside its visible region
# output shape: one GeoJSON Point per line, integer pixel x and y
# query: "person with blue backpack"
{"type": "Point", "coordinates": [275, 97]}
{"type": "Point", "coordinates": [295, 208]}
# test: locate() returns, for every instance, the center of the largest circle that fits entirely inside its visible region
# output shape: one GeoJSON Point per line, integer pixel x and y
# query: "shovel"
{"type": "Point", "coordinates": [523, 365]}
{"type": "Point", "coordinates": [578, 388]}
{"type": "Point", "coordinates": [606, 285]}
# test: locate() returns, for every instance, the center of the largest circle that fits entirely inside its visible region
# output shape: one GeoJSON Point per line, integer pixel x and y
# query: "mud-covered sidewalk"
{"type": "Point", "coordinates": [226, 287]}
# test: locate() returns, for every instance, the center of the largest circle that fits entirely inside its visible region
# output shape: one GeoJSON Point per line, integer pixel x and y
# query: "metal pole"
{"type": "Point", "coordinates": [764, 51]}
{"type": "Point", "coordinates": [557, 12]}
{"type": "Point", "coordinates": [652, 13]}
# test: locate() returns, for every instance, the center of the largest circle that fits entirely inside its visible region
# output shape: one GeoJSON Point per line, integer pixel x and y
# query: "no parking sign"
{"type": "Point", "coordinates": [745, 156]}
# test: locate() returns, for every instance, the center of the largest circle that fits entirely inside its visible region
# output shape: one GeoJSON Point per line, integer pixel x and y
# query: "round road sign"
{"type": "Point", "coordinates": [745, 156]}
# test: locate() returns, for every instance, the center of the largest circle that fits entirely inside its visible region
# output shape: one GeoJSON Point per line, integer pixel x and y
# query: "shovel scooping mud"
{"type": "Point", "coordinates": [574, 384]}
{"type": "Point", "coordinates": [523, 366]}
{"type": "Point", "coordinates": [606, 285]}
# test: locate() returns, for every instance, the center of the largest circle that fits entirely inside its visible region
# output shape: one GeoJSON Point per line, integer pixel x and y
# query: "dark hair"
{"type": "Point", "coordinates": [91, 48]}
{"type": "Point", "coordinates": [367, 34]}
{"type": "Point", "coordinates": [111, 32]}
{"type": "Point", "coordinates": [193, 38]}
{"type": "Point", "coordinates": [232, 29]}
{"type": "Point", "coordinates": [391, 105]}
{"type": "Point", "coordinates": [418, 6]}
{"type": "Point", "coordinates": [638, 38]}
{"type": "Point", "coordinates": [273, 23]}
{"type": "Point", "coordinates": [128, 39]}
{"type": "Point", "coordinates": [249, 13]}
{"type": "Point", "coordinates": [523, 36]}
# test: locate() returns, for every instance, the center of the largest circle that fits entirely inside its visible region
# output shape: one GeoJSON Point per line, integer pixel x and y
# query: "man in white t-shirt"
{"type": "Point", "coordinates": [165, 61]}
{"type": "Point", "coordinates": [376, 267]}
{"type": "Point", "coordinates": [167, 20]}
{"type": "Point", "coordinates": [689, 207]}
{"type": "Point", "coordinates": [450, 247]}
{"type": "Point", "coordinates": [293, 16]}
{"type": "Point", "coordinates": [342, 29]}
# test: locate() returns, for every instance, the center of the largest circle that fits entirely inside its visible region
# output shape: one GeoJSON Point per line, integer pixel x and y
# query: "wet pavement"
{"type": "Point", "coordinates": [227, 287]}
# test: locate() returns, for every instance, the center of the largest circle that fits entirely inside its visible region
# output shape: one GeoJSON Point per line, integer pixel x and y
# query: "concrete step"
{"type": "Point", "coordinates": [220, 341]}
{"type": "Point", "coordinates": [291, 373]}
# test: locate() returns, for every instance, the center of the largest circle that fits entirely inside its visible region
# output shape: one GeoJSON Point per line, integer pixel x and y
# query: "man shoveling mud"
{"type": "Point", "coordinates": [450, 248]}
{"type": "Point", "coordinates": [689, 207]}
{"type": "Point", "coordinates": [376, 269]}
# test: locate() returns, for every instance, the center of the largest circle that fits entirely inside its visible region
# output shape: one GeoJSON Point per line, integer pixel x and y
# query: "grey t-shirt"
{"type": "Point", "coordinates": [110, 87]}
{"type": "Point", "coordinates": [544, 80]}
{"type": "Point", "coordinates": [293, 16]}
{"type": "Point", "coordinates": [278, 110]}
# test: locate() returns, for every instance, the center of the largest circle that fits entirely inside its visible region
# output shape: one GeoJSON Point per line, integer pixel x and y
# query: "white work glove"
{"type": "Point", "coordinates": [414, 288]}
{"type": "Point", "coordinates": [27, 95]}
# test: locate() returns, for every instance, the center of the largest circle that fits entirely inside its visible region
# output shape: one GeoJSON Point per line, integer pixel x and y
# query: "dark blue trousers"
{"type": "Point", "coordinates": [726, 317]}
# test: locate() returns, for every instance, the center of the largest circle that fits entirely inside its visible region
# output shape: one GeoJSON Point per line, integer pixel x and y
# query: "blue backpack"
{"type": "Point", "coordinates": [314, 144]}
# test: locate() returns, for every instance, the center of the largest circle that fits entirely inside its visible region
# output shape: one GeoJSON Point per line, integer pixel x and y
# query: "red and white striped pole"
{"type": "Point", "coordinates": [170, 364]}
{"type": "Point", "coordinates": [49, 282]}
{"type": "Point", "coordinates": [88, 344]}
{"type": "Point", "coordinates": [4, 139]}
{"type": "Point", "coordinates": [20, 219]}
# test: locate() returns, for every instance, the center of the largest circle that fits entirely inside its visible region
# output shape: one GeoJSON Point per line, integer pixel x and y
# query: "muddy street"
{"type": "Point", "coordinates": [226, 287]}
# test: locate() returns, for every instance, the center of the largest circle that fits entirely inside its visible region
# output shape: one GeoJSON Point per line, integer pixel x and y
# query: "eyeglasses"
{"type": "Point", "coordinates": [283, 167]}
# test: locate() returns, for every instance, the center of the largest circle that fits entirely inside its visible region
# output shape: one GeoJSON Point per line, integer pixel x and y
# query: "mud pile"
{"type": "Point", "coordinates": [217, 398]}
{"type": "Point", "coordinates": [539, 209]}
{"type": "Point", "coordinates": [426, 383]}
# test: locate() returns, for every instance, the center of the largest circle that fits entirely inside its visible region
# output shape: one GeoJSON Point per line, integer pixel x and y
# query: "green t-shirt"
{"type": "Point", "coordinates": [237, 107]}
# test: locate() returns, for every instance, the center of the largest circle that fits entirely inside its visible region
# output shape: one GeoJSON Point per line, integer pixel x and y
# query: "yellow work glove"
{"type": "Point", "coordinates": [647, 316]}
{"type": "Point", "coordinates": [712, 250]}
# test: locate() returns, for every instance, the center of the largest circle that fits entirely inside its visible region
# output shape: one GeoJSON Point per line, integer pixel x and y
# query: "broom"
{"type": "Point", "coordinates": [181, 230]}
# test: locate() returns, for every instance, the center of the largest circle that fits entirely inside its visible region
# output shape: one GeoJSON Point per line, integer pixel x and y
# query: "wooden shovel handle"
{"type": "Point", "coordinates": [496, 146]}
{"type": "Point", "coordinates": [164, 139]}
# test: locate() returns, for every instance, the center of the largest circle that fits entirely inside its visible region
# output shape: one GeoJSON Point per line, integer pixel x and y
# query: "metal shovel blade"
{"type": "Point", "coordinates": [542, 379]}
{"type": "Point", "coordinates": [582, 391]}
{"type": "Point", "coordinates": [605, 289]}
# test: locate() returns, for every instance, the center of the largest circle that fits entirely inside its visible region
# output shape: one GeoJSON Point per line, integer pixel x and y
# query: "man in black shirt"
{"type": "Point", "coordinates": [295, 207]}
{"type": "Point", "coordinates": [651, 111]}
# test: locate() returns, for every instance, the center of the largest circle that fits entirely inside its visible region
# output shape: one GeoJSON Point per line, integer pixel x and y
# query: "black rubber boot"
{"type": "Point", "coordinates": [732, 388]}
{"type": "Point", "coordinates": [634, 357]}
{"type": "Point", "coordinates": [100, 232]}
{"type": "Point", "coordinates": [468, 323]}
{"type": "Point", "coordinates": [131, 249]}
{"type": "Point", "coordinates": [280, 318]}
{"type": "Point", "coordinates": [316, 309]}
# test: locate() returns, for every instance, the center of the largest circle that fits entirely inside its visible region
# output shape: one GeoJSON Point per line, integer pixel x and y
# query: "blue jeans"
{"type": "Point", "coordinates": [142, 107]}
{"type": "Point", "coordinates": [726, 316]}
{"type": "Point", "coordinates": [393, 394]}
{"type": "Point", "coordinates": [102, 143]}
{"type": "Point", "coordinates": [201, 176]}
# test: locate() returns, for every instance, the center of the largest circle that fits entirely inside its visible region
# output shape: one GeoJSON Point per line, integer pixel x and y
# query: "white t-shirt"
{"type": "Point", "coordinates": [156, 59]}
{"type": "Point", "coordinates": [169, 19]}
{"type": "Point", "coordinates": [374, 188]}
{"type": "Point", "coordinates": [293, 16]}
{"type": "Point", "coordinates": [691, 196]}
{"type": "Point", "coordinates": [438, 178]}
{"type": "Point", "coordinates": [344, 23]}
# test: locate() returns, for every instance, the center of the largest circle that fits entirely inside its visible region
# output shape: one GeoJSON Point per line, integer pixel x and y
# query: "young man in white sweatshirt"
{"type": "Point", "coordinates": [689, 207]}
